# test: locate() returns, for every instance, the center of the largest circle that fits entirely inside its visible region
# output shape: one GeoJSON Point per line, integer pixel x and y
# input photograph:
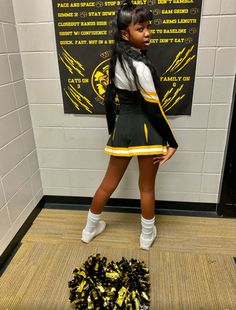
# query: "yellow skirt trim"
{"type": "Point", "coordinates": [136, 150]}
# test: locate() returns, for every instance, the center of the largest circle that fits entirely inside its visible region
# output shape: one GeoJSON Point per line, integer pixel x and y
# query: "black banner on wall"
{"type": "Point", "coordinates": [84, 38]}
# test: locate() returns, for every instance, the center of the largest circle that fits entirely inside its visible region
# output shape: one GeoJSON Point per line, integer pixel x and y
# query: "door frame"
{"type": "Point", "coordinates": [227, 202]}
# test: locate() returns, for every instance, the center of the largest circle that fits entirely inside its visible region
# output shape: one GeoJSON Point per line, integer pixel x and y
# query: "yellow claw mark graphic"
{"type": "Point", "coordinates": [176, 101]}
{"type": "Point", "coordinates": [71, 63]}
{"type": "Point", "coordinates": [78, 95]}
{"type": "Point", "coordinates": [78, 99]}
{"type": "Point", "coordinates": [185, 64]}
{"type": "Point", "coordinates": [67, 66]}
{"type": "Point", "coordinates": [74, 103]}
{"type": "Point", "coordinates": [167, 102]}
{"type": "Point", "coordinates": [166, 95]}
{"type": "Point", "coordinates": [180, 62]}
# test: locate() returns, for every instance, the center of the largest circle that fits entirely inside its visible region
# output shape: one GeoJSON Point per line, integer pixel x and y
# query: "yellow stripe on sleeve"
{"type": "Point", "coordinates": [152, 93]}
{"type": "Point", "coordinates": [152, 99]}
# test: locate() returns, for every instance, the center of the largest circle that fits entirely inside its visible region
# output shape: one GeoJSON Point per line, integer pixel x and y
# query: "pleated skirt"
{"type": "Point", "coordinates": [134, 135]}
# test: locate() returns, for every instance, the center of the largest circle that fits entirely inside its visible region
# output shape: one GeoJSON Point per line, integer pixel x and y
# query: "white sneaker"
{"type": "Point", "coordinates": [145, 244]}
{"type": "Point", "coordinates": [88, 236]}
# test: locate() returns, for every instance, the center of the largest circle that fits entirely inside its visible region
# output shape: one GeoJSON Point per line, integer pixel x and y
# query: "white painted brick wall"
{"type": "Point", "coordinates": [70, 147]}
{"type": "Point", "coordinates": [20, 181]}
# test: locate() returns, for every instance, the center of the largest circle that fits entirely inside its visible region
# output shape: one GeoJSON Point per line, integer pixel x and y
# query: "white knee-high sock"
{"type": "Point", "coordinates": [92, 220]}
{"type": "Point", "coordinates": [147, 227]}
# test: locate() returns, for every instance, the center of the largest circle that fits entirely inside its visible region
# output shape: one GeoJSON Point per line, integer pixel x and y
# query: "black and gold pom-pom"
{"type": "Point", "coordinates": [113, 286]}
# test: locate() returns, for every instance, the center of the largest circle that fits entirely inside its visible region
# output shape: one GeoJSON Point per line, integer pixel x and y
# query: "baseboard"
{"type": "Point", "coordinates": [113, 205]}
{"type": "Point", "coordinates": [11, 249]}
{"type": "Point", "coordinates": [133, 206]}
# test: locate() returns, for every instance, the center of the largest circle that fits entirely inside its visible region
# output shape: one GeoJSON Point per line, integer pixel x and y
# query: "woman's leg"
{"type": "Point", "coordinates": [115, 171]}
{"type": "Point", "coordinates": [147, 176]}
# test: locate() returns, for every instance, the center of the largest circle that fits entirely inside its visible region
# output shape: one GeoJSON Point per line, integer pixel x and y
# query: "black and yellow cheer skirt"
{"type": "Point", "coordinates": [134, 134]}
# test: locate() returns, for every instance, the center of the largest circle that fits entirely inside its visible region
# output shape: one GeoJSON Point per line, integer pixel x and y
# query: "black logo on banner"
{"type": "Point", "coordinates": [84, 39]}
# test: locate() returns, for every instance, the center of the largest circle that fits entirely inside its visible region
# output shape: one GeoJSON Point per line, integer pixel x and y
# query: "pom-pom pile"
{"type": "Point", "coordinates": [98, 284]}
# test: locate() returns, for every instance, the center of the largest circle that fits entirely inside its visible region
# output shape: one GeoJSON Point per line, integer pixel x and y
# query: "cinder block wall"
{"type": "Point", "coordinates": [70, 147]}
{"type": "Point", "coordinates": [20, 182]}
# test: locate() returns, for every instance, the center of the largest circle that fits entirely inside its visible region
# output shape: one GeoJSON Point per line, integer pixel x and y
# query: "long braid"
{"type": "Point", "coordinates": [127, 14]}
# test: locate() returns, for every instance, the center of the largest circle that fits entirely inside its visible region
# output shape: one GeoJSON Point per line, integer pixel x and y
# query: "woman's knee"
{"type": "Point", "coordinates": [107, 188]}
{"type": "Point", "coordinates": [146, 187]}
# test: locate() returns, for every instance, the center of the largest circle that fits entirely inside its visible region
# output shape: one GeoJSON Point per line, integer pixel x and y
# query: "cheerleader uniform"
{"type": "Point", "coordinates": [141, 127]}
